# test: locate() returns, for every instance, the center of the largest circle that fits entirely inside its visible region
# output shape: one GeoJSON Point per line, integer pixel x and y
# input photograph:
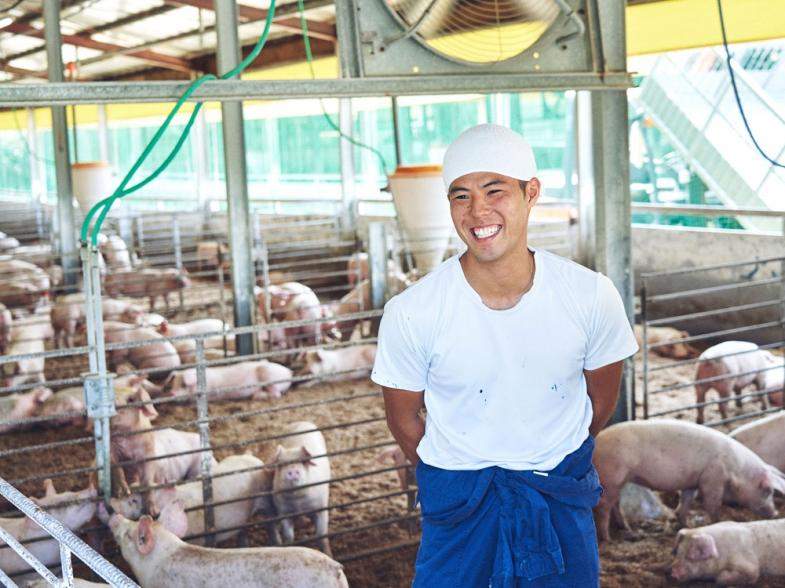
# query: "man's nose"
{"type": "Point", "coordinates": [479, 206]}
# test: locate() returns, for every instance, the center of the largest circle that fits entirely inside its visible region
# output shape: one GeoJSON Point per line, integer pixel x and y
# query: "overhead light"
{"type": "Point", "coordinates": [4, 22]}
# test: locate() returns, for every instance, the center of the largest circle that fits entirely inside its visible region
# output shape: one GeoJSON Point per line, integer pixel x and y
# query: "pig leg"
{"type": "Point", "coordinates": [617, 515]}
{"type": "Point", "coordinates": [152, 302]}
{"type": "Point", "coordinates": [321, 523]}
{"type": "Point", "coordinates": [764, 398]}
{"type": "Point", "coordinates": [602, 515]}
{"type": "Point", "coordinates": [287, 531]}
{"type": "Point", "coordinates": [712, 488]}
{"type": "Point", "coordinates": [700, 398]}
{"type": "Point", "coordinates": [741, 574]}
{"type": "Point", "coordinates": [685, 500]}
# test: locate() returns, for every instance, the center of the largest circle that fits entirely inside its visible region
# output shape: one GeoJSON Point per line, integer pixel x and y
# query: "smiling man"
{"type": "Point", "coordinates": [516, 354]}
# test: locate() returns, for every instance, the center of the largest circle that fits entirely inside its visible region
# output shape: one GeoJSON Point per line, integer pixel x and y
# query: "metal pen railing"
{"type": "Point", "coordinates": [68, 542]}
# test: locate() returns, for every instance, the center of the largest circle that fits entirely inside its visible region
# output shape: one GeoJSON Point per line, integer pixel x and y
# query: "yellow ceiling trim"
{"type": "Point", "coordinates": [671, 25]}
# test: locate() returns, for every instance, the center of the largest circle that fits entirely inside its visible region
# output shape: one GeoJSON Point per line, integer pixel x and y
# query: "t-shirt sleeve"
{"type": "Point", "coordinates": [401, 361]}
{"type": "Point", "coordinates": [610, 338]}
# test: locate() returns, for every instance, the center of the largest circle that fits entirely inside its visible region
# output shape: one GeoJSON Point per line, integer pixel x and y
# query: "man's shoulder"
{"type": "Point", "coordinates": [423, 292]}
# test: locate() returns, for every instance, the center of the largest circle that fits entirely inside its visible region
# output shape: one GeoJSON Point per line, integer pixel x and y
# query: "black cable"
{"type": "Point", "coordinates": [736, 91]}
{"type": "Point", "coordinates": [10, 8]}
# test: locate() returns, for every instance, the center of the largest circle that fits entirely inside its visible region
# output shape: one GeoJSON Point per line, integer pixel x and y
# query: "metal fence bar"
{"type": "Point", "coordinates": [64, 536]}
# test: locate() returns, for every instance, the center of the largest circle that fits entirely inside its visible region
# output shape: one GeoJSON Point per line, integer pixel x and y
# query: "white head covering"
{"type": "Point", "coordinates": [489, 148]}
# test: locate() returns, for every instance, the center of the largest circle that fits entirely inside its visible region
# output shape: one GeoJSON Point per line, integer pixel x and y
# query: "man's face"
{"type": "Point", "coordinates": [490, 212]}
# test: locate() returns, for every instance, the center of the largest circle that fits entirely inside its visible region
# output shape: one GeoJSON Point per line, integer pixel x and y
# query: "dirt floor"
{"type": "Point", "coordinates": [376, 552]}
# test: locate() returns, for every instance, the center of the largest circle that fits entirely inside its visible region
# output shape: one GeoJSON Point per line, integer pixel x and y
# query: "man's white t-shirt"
{"type": "Point", "coordinates": [502, 387]}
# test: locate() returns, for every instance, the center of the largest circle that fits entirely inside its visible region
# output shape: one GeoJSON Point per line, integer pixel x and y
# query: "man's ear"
{"type": "Point", "coordinates": [533, 190]}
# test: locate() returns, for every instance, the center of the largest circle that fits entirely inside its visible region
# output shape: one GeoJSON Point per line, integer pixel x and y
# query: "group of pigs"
{"type": "Point", "coordinates": [149, 529]}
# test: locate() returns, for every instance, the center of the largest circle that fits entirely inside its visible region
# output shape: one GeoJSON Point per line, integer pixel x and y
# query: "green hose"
{"type": "Point", "coordinates": [106, 204]}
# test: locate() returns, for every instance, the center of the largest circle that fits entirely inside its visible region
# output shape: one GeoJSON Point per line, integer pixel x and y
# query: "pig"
{"type": "Point", "coordinates": [64, 407]}
{"type": "Point", "coordinates": [324, 363]}
{"type": "Point", "coordinates": [56, 276]}
{"type": "Point", "coordinates": [766, 437]}
{"type": "Point", "coordinates": [359, 299]}
{"type": "Point", "coordinates": [405, 472]}
{"type": "Point", "coordinates": [159, 559]}
{"type": "Point", "coordinates": [257, 380]}
{"type": "Point", "coordinates": [733, 359]}
{"type": "Point", "coordinates": [132, 440]}
{"type": "Point", "coordinates": [27, 337]}
{"type": "Point", "coordinates": [7, 243]}
{"type": "Point", "coordinates": [19, 406]}
{"type": "Point", "coordinates": [6, 320]}
{"type": "Point", "coordinates": [730, 553]}
{"type": "Point", "coordinates": [186, 348]}
{"type": "Point", "coordinates": [670, 455]}
{"type": "Point", "coordinates": [24, 284]}
{"type": "Point", "coordinates": [210, 255]}
{"type": "Point", "coordinates": [301, 460]}
{"type": "Point", "coordinates": [147, 282]}
{"type": "Point", "coordinates": [665, 341]}
{"type": "Point", "coordinates": [116, 255]}
{"type": "Point", "coordinates": [72, 509]}
{"type": "Point", "coordinates": [357, 268]}
{"type": "Point", "coordinates": [159, 354]}
{"type": "Point", "coordinates": [127, 379]}
{"type": "Point", "coordinates": [293, 301]}
{"type": "Point", "coordinates": [226, 488]}
{"type": "Point", "coordinates": [68, 315]}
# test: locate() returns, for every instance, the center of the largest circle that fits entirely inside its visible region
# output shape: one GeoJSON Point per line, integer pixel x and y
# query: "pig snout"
{"type": "Point", "coordinates": [678, 571]}
{"type": "Point", "coordinates": [294, 475]}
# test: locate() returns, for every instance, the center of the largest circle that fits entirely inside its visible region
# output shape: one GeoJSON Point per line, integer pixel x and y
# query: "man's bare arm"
{"type": "Point", "coordinates": [403, 418]}
{"type": "Point", "coordinates": [602, 385]}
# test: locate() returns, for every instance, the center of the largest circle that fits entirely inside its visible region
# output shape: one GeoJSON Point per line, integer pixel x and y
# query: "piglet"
{"type": "Point", "coordinates": [147, 283]}
{"type": "Point", "coordinates": [27, 337]}
{"type": "Point", "coordinates": [670, 455]}
{"type": "Point", "coordinates": [301, 460]}
{"type": "Point", "coordinates": [257, 380]}
{"type": "Point", "coordinates": [150, 547]}
{"type": "Point", "coordinates": [730, 553]}
{"type": "Point", "coordinates": [64, 407]}
{"type": "Point", "coordinates": [158, 353]}
{"type": "Point", "coordinates": [228, 488]}
{"type": "Point", "coordinates": [19, 406]}
{"type": "Point", "coordinates": [766, 437]}
{"type": "Point", "coordinates": [735, 364]}
{"type": "Point", "coordinates": [24, 284]}
{"type": "Point", "coordinates": [72, 509]}
{"type": "Point", "coordinates": [666, 342]}
{"type": "Point", "coordinates": [356, 363]}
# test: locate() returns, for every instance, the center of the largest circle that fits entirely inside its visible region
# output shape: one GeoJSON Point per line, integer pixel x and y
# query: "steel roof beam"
{"type": "Point", "coordinates": [167, 61]}
{"type": "Point", "coordinates": [316, 29]}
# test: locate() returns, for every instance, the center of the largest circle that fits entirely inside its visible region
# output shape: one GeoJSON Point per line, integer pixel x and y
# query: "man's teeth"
{"type": "Point", "coordinates": [484, 232]}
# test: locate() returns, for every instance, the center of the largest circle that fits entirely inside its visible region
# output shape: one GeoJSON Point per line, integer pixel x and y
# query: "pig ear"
{"type": "Point", "coordinates": [277, 454]}
{"type": "Point", "coordinates": [49, 488]}
{"type": "Point", "coordinates": [148, 409]}
{"type": "Point", "coordinates": [174, 519]}
{"type": "Point", "coordinates": [145, 539]}
{"type": "Point", "coordinates": [306, 455]}
{"type": "Point", "coordinates": [775, 479]}
{"type": "Point", "coordinates": [702, 547]}
{"type": "Point", "coordinates": [166, 495]}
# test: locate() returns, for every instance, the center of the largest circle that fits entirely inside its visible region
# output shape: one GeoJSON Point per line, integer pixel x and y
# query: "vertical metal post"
{"type": "Point", "coordinates": [178, 253]}
{"type": "Point", "coordinates": [65, 208]}
{"type": "Point", "coordinates": [377, 264]}
{"type": "Point", "coordinates": [103, 133]}
{"type": "Point", "coordinates": [348, 192]}
{"type": "Point", "coordinates": [586, 189]}
{"type": "Point", "coordinates": [396, 122]}
{"type": "Point", "coordinates": [349, 46]}
{"type": "Point", "coordinates": [202, 415]}
{"type": "Point", "coordinates": [240, 242]}
{"type": "Point", "coordinates": [570, 146]}
{"type": "Point", "coordinates": [200, 158]}
{"type": "Point", "coordinates": [645, 349]}
{"type": "Point", "coordinates": [613, 242]}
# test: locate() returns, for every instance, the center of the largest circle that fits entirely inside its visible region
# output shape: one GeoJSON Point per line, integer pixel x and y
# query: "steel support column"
{"type": "Point", "coordinates": [65, 208]}
{"type": "Point", "coordinates": [610, 146]}
{"type": "Point", "coordinates": [37, 169]}
{"type": "Point", "coordinates": [103, 134]}
{"type": "Point", "coordinates": [240, 241]}
{"type": "Point", "coordinates": [348, 191]}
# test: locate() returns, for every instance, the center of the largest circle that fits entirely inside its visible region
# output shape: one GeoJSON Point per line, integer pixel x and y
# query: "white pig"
{"type": "Point", "coordinates": [74, 516]}
{"type": "Point", "coordinates": [665, 341]}
{"type": "Point", "coordinates": [6, 320]}
{"type": "Point", "coordinates": [301, 460]}
{"type": "Point", "coordinates": [734, 360]}
{"type": "Point", "coordinates": [68, 315]}
{"type": "Point", "coordinates": [23, 284]}
{"type": "Point", "coordinates": [160, 353]}
{"type": "Point", "coordinates": [159, 559]}
{"type": "Point", "coordinates": [116, 254]}
{"type": "Point", "coordinates": [27, 337]}
{"type": "Point", "coordinates": [670, 455]}
{"type": "Point", "coordinates": [730, 553]}
{"type": "Point", "coordinates": [64, 407]}
{"type": "Point", "coordinates": [226, 488]}
{"type": "Point", "coordinates": [21, 406]}
{"type": "Point", "coordinates": [257, 380]}
{"type": "Point", "coordinates": [766, 437]}
{"type": "Point", "coordinates": [147, 282]}
{"type": "Point", "coordinates": [326, 362]}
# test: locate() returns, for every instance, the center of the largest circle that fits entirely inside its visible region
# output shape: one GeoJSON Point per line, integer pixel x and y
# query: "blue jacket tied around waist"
{"type": "Point", "coordinates": [507, 529]}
